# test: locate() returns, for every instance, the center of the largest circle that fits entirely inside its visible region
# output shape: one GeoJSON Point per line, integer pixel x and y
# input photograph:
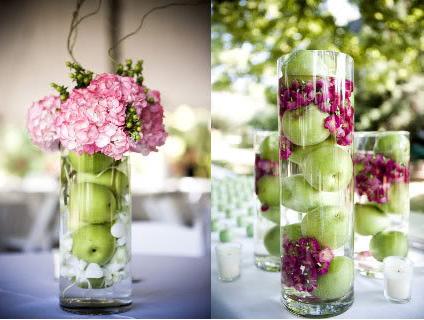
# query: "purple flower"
{"type": "Point", "coordinates": [376, 174]}
{"type": "Point", "coordinates": [285, 148]}
{"type": "Point", "coordinates": [303, 261]}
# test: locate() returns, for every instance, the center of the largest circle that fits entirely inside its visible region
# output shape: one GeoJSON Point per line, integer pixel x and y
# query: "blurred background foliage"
{"type": "Point", "coordinates": [384, 37]}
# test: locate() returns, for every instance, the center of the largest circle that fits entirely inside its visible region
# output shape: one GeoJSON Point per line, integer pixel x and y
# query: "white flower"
{"type": "Point", "coordinates": [93, 271]}
{"type": "Point", "coordinates": [118, 230]}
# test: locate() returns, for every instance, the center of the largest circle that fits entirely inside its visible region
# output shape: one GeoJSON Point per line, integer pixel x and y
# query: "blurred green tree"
{"type": "Point", "coordinates": [386, 43]}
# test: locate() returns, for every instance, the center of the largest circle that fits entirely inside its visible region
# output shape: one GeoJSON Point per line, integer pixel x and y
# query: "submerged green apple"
{"type": "Point", "coordinates": [74, 222]}
{"type": "Point", "coordinates": [389, 243]}
{"type": "Point", "coordinates": [370, 220]}
{"type": "Point", "coordinates": [93, 243]}
{"type": "Point", "coordinates": [305, 126]}
{"type": "Point", "coordinates": [394, 146]}
{"type": "Point", "coordinates": [269, 190]}
{"type": "Point", "coordinates": [329, 225]}
{"type": "Point", "coordinates": [299, 152]}
{"type": "Point", "coordinates": [305, 63]}
{"type": "Point", "coordinates": [92, 163]}
{"type": "Point", "coordinates": [269, 147]}
{"type": "Point", "coordinates": [297, 194]}
{"type": "Point", "coordinates": [329, 168]}
{"type": "Point", "coordinates": [91, 203]}
{"type": "Point", "coordinates": [272, 214]}
{"type": "Point", "coordinates": [272, 241]}
{"type": "Point", "coordinates": [292, 231]}
{"type": "Point", "coordinates": [114, 179]}
{"type": "Point", "coordinates": [337, 282]}
{"type": "Point", "coordinates": [397, 199]}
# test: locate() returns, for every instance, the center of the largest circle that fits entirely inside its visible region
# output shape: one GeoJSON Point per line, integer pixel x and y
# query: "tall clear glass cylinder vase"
{"type": "Point", "coordinates": [381, 198]}
{"type": "Point", "coordinates": [316, 118]}
{"type": "Point", "coordinates": [95, 234]}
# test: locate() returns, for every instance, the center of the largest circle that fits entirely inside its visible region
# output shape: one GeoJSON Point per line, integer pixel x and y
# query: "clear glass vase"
{"type": "Point", "coordinates": [267, 218]}
{"type": "Point", "coordinates": [95, 234]}
{"type": "Point", "coordinates": [381, 163]}
{"type": "Point", "coordinates": [316, 118]}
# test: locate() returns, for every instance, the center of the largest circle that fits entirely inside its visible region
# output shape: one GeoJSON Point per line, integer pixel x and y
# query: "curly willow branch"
{"type": "Point", "coordinates": [72, 35]}
{"type": "Point", "coordinates": [172, 4]}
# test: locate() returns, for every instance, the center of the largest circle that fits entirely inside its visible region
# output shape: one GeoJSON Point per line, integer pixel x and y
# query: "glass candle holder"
{"type": "Point", "coordinates": [381, 163]}
{"type": "Point", "coordinates": [267, 195]}
{"type": "Point", "coordinates": [398, 273]}
{"type": "Point", "coordinates": [316, 118]}
{"type": "Point", "coordinates": [95, 234]}
{"type": "Point", "coordinates": [228, 257]}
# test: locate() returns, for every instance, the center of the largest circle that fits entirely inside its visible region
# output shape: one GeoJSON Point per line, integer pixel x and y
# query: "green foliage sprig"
{"type": "Point", "coordinates": [132, 123]}
{"type": "Point", "coordinates": [63, 91]}
{"type": "Point", "coordinates": [128, 70]}
{"type": "Point", "coordinates": [80, 75]}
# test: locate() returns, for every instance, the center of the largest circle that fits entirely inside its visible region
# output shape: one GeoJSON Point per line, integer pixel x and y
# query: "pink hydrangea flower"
{"type": "Point", "coordinates": [153, 132]}
{"type": "Point", "coordinates": [94, 119]}
{"type": "Point", "coordinates": [41, 123]}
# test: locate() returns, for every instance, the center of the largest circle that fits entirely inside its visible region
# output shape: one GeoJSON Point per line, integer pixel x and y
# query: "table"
{"type": "Point", "coordinates": [256, 294]}
{"type": "Point", "coordinates": [170, 287]}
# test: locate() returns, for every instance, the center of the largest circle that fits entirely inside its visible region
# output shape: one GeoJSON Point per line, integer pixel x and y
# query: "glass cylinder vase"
{"type": "Point", "coordinates": [316, 117]}
{"type": "Point", "coordinates": [95, 234]}
{"type": "Point", "coordinates": [381, 162]}
{"type": "Point", "coordinates": [267, 194]}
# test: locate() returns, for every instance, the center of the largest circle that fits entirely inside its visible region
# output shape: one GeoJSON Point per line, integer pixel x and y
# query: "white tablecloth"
{"type": "Point", "coordinates": [170, 287]}
{"type": "Point", "coordinates": [256, 294]}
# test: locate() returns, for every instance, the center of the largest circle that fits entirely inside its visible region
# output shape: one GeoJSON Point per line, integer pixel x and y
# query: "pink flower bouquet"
{"type": "Point", "coordinates": [110, 114]}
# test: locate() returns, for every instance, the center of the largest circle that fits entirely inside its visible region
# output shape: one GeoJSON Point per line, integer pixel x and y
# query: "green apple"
{"type": "Point", "coordinates": [305, 63]}
{"type": "Point", "coordinates": [92, 163]}
{"type": "Point", "coordinates": [114, 179]}
{"type": "Point", "coordinates": [370, 220]}
{"type": "Point", "coordinates": [92, 203]}
{"type": "Point", "coordinates": [337, 282]}
{"type": "Point", "coordinates": [272, 214]}
{"type": "Point", "coordinates": [394, 146]}
{"type": "Point", "coordinates": [74, 222]}
{"type": "Point", "coordinates": [299, 153]}
{"type": "Point", "coordinates": [293, 231]}
{"type": "Point", "coordinates": [272, 241]}
{"type": "Point", "coordinates": [269, 148]}
{"type": "Point", "coordinates": [93, 243]}
{"type": "Point", "coordinates": [329, 225]}
{"type": "Point", "coordinates": [305, 126]}
{"type": "Point", "coordinates": [226, 235]}
{"type": "Point", "coordinates": [241, 221]}
{"type": "Point", "coordinates": [249, 230]}
{"type": "Point", "coordinates": [397, 199]}
{"type": "Point", "coordinates": [269, 190]}
{"type": "Point", "coordinates": [214, 225]}
{"type": "Point", "coordinates": [329, 168]}
{"type": "Point", "coordinates": [297, 194]}
{"type": "Point", "coordinates": [389, 243]}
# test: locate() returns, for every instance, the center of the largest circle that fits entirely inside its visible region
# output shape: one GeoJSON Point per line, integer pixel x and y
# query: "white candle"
{"type": "Point", "coordinates": [228, 256]}
{"type": "Point", "coordinates": [398, 273]}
